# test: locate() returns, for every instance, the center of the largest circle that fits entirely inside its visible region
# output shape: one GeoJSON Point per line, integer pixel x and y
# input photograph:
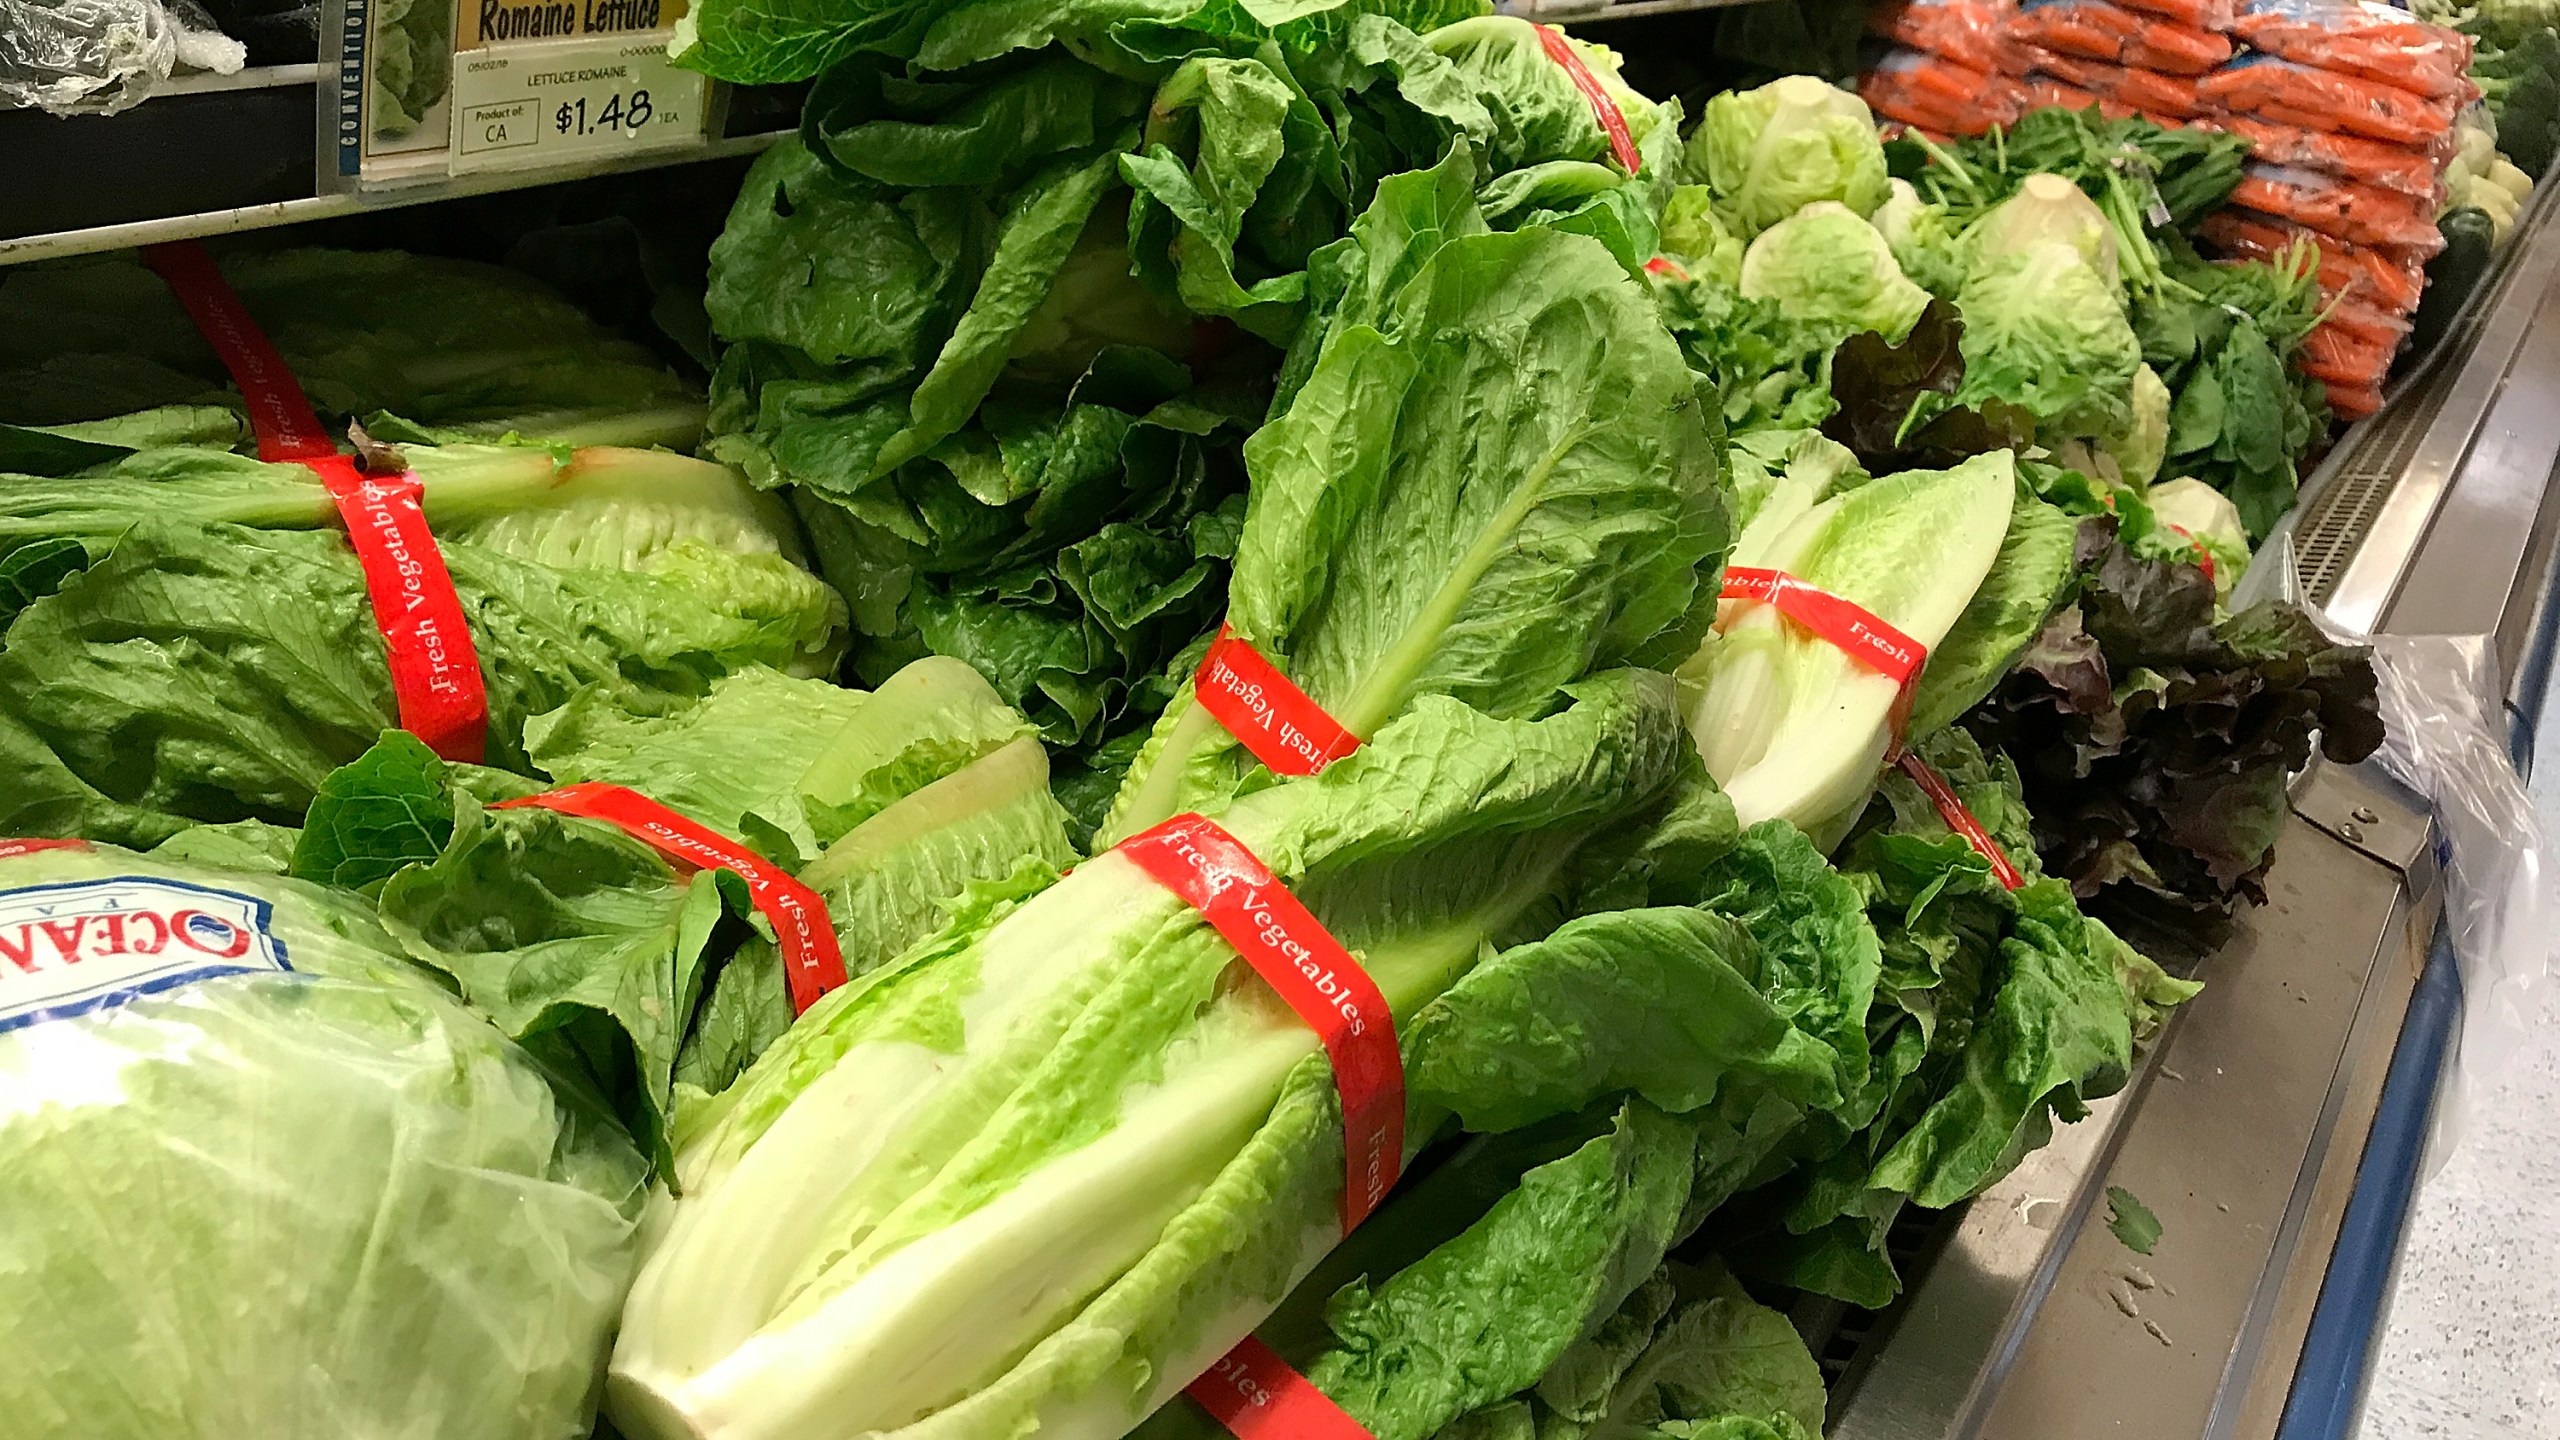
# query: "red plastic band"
{"type": "Point", "coordinates": [1666, 266]}
{"type": "Point", "coordinates": [812, 961]}
{"type": "Point", "coordinates": [1859, 632]}
{"type": "Point", "coordinates": [1242, 900]}
{"type": "Point", "coordinates": [435, 667]}
{"type": "Point", "coordinates": [1603, 109]}
{"type": "Point", "coordinates": [1960, 820]}
{"type": "Point", "coordinates": [1256, 1396]}
{"type": "Point", "coordinates": [11, 849]}
{"type": "Point", "coordinates": [279, 412]}
{"type": "Point", "coordinates": [1283, 727]}
{"type": "Point", "coordinates": [2204, 557]}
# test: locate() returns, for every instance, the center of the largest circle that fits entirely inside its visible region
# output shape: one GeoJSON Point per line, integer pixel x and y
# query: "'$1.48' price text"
{"type": "Point", "coordinates": [625, 113]}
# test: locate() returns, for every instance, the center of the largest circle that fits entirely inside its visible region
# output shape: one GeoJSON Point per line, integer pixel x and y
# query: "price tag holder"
{"type": "Point", "coordinates": [550, 103]}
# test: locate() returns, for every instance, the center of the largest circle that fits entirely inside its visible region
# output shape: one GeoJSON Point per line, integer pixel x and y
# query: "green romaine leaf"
{"type": "Point", "coordinates": [1397, 525]}
{"type": "Point", "coordinates": [2132, 1221]}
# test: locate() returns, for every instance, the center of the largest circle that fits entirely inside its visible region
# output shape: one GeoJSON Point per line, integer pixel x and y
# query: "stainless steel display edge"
{"type": "Point", "coordinates": [323, 207]}
{"type": "Point", "coordinates": [2508, 324]}
{"type": "Point", "coordinates": [2034, 1322]}
{"type": "Point", "coordinates": [2245, 1123]}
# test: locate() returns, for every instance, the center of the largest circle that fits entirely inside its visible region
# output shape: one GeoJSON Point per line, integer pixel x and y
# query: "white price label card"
{"type": "Point", "coordinates": [557, 103]}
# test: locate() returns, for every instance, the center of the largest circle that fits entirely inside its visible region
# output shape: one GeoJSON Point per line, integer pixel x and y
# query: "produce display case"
{"type": "Point", "coordinates": [2284, 1170]}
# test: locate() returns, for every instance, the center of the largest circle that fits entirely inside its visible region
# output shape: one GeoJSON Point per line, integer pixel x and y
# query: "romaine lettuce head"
{"type": "Point", "coordinates": [1789, 724]}
{"type": "Point", "coordinates": [1824, 264]}
{"type": "Point", "coordinates": [1770, 152]}
{"type": "Point", "coordinates": [1692, 230]}
{"type": "Point", "coordinates": [1048, 1165]}
{"type": "Point", "coordinates": [304, 1197]}
{"type": "Point", "coordinates": [414, 346]}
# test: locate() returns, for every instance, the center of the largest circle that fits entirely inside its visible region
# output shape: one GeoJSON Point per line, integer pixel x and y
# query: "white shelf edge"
{"type": "Point", "coordinates": [255, 77]}
{"type": "Point", "coordinates": [322, 207]}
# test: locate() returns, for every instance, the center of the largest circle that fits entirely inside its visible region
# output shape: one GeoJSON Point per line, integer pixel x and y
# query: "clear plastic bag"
{"type": "Point", "coordinates": [82, 57]}
{"type": "Point", "coordinates": [2446, 739]}
{"type": "Point", "coordinates": [1973, 33]}
{"type": "Point", "coordinates": [2391, 280]}
{"type": "Point", "coordinates": [2096, 30]}
{"type": "Point", "coordinates": [2356, 354]}
{"type": "Point", "coordinates": [1936, 94]}
{"type": "Point", "coordinates": [2412, 172]}
{"type": "Point", "coordinates": [2376, 42]}
{"type": "Point", "coordinates": [2284, 93]}
{"type": "Point", "coordinates": [2165, 99]}
{"type": "Point", "coordinates": [2357, 213]}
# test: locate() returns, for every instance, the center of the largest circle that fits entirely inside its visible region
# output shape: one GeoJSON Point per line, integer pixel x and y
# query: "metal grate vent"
{"type": "Point", "coordinates": [2341, 513]}
{"type": "Point", "coordinates": [1843, 1336]}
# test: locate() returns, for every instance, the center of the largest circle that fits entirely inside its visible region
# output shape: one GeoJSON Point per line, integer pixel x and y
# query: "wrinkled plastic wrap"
{"type": "Point", "coordinates": [1936, 95]}
{"type": "Point", "coordinates": [313, 1203]}
{"type": "Point", "coordinates": [80, 57]}
{"type": "Point", "coordinates": [1972, 33]}
{"type": "Point", "coordinates": [2447, 740]}
{"type": "Point", "coordinates": [2377, 42]}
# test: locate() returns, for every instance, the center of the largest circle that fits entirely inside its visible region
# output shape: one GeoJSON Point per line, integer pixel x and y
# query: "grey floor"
{"type": "Point", "coordinates": [2472, 1347]}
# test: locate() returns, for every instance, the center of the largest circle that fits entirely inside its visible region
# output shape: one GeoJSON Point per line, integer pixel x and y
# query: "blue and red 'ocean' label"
{"type": "Point", "coordinates": [93, 944]}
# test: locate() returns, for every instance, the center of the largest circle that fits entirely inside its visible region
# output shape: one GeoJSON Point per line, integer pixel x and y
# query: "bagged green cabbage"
{"type": "Point", "coordinates": [262, 1178]}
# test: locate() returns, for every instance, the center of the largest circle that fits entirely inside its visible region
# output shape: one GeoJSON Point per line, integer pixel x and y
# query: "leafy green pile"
{"type": "Point", "coordinates": [643, 978]}
{"type": "Point", "coordinates": [2241, 415]}
{"type": "Point", "coordinates": [1556, 1275]}
{"type": "Point", "coordinates": [2146, 179]}
{"type": "Point", "coordinates": [2156, 734]}
{"type": "Point", "coordinates": [1001, 316]}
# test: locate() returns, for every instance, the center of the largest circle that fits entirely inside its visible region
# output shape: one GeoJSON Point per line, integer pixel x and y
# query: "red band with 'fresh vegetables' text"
{"type": "Point", "coordinates": [1952, 810]}
{"type": "Point", "coordinates": [10, 849]}
{"type": "Point", "coordinates": [1287, 946]}
{"type": "Point", "coordinates": [435, 668]}
{"type": "Point", "coordinates": [1256, 1396]}
{"type": "Point", "coordinates": [279, 412]}
{"type": "Point", "coordinates": [1858, 632]}
{"type": "Point", "coordinates": [1612, 120]}
{"type": "Point", "coordinates": [1281, 724]}
{"type": "Point", "coordinates": [812, 961]}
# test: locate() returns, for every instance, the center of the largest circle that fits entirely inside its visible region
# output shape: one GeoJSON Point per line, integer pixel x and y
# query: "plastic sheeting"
{"type": "Point", "coordinates": [79, 57]}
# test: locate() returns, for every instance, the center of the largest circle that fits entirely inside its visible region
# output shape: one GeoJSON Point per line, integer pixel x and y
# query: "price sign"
{"type": "Point", "coordinates": [547, 104]}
